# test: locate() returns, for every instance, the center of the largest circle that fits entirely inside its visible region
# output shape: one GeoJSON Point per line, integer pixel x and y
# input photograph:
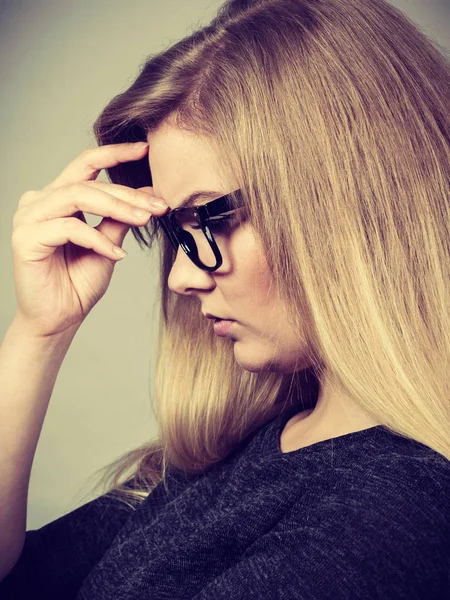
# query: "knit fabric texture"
{"type": "Point", "coordinates": [365, 515]}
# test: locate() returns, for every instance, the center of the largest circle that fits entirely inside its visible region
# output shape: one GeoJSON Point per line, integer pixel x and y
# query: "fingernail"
{"type": "Point", "coordinates": [141, 145]}
{"type": "Point", "coordinates": [158, 204]}
{"type": "Point", "coordinates": [120, 252]}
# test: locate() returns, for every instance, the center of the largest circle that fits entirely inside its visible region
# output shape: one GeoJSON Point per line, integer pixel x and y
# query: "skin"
{"type": "Point", "coordinates": [241, 290]}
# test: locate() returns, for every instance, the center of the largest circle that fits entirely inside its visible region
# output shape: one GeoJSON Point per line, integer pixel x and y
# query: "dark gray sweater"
{"type": "Point", "coordinates": [362, 516]}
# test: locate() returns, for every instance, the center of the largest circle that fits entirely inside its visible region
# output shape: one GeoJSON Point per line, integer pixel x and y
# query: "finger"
{"type": "Point", "coordinates": [141, 197]}
{"type": "Point", "coordinates": [113, 230]}
{"type": "Point", "coordinates": [29, 197]}
{"type": "Point", "coordinates": [117, 231]}
{"type": "Point", "coordinates": [91, 197]}
{"type": "Point", "coordinates": [36, 241]}
{"type": "Point", "coordinates": [156, 199]}
{"type": "Point", "coordinates": [91, 161]}
{"type": "Point", "coordinates": [68, 200]}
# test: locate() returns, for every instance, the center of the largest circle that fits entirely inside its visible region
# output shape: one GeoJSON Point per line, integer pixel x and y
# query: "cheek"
{"type": "Point", "coordinates": [251, 276]}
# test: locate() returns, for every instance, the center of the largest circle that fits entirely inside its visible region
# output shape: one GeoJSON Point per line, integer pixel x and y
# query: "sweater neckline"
{"type": "Point", "coordinates": [272, 444]}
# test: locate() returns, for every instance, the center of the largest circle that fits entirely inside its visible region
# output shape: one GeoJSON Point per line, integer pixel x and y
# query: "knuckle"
{"type": "Point", "coordinates": [19, 236]}
{"type": "Point", "coordinates": [90, 183]}
{"type": "Point", "coordinates": [122, 206]}
{"type": "Point", "coordinates": [27, 197]}
{"type": "Point", "coordinates": [15, 238]}
{"type": "Point", "coordinates": [73, 192]}
{"type": "Point", "coordinates": [70, 223]}
{"type": "Point", "coordinates": [137, 197]}
{"type": "Point", "coordinates": [18, 217]}
{"type": "Point", "coordinates": [74, 188]}
{"type": "Point", "coordinates": [15, 242]}
{"type": "Point", "coordinates": [87, 152]}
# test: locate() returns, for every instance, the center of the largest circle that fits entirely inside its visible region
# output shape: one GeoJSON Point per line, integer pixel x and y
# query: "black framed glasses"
{"type": "Point", "coordinates": [194, 228]}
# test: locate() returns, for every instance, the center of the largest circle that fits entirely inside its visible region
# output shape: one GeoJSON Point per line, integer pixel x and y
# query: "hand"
{"type": "Point", "coordinates": [62, 265]}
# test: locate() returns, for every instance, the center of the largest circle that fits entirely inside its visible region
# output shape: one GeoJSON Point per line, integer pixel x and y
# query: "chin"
{"type": "Point", "coordinates": [256, 361]}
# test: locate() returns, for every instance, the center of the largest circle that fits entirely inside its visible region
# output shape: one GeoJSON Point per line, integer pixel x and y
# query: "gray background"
{"type": "Point", "coordinates": [61, 61]}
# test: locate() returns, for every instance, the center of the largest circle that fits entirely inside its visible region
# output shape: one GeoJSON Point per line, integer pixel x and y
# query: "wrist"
{"type": "Point", "coordinates": [23, 328]}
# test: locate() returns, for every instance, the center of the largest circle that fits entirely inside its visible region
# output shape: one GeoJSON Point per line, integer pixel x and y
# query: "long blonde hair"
{"type": "Point", "coordinates": [333, 116]}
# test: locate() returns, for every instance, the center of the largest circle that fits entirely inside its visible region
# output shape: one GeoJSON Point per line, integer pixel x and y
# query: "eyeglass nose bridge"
{"type": "Point", "coordinates": [178, 237]}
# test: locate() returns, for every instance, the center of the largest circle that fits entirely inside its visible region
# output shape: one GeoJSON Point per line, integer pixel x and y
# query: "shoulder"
{"type": "Point", "coordinates": [382, 484]}
{"type": "Point", "coordinates": [391, 472]}
{"type": "Point", "coordinates": [379, 524]}
{"type": "Point", "coordinates": [405, 471]}
{"type": "Point", "coordinates": [391, 497]}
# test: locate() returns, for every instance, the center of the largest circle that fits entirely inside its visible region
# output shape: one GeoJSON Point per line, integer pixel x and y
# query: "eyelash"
{"type": "Point", "coordinates": [219, 225]}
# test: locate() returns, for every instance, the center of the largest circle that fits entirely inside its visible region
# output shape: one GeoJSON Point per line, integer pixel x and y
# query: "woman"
{"type": "Point", "coordinates": [303, 447]}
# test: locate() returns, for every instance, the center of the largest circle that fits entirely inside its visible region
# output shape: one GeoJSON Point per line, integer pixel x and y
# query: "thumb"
{"type": "Point", "coordinates": [115, 231]}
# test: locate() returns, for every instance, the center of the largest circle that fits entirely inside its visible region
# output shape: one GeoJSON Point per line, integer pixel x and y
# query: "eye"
{"type": "Point", "coordinates": [218, 224]}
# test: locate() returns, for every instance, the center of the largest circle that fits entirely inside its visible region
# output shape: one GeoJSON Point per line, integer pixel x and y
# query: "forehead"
{"type": "Point", "coordinates": [182, 164]}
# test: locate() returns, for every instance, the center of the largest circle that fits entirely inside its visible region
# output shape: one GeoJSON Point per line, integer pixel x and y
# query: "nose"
{"type": "Point", "coordinates": [186, 278]}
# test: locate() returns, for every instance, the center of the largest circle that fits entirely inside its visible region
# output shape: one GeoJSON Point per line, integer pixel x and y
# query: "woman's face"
{"type": "Point", "coordinates": [241, 289]}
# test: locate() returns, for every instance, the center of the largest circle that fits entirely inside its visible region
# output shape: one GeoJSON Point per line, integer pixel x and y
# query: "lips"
{"type": "Point", "coordinates": [210, 316]}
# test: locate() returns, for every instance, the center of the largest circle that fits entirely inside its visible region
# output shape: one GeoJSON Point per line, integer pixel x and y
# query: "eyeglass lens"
{"type": "Point", "coordinates": [194, 237]}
